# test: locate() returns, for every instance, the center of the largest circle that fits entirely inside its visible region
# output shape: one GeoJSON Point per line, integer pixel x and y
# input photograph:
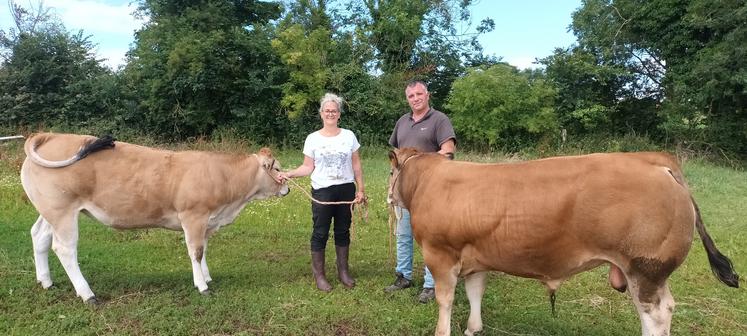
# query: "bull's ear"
{"type": "Point", "coordinates": [393, 158]}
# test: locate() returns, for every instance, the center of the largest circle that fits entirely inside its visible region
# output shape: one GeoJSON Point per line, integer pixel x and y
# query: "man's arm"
{"type": "Point", "coordinates": [448, 146]}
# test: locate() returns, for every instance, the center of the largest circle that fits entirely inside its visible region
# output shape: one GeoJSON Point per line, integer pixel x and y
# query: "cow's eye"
{"type": "Point", "coordinates": [391, 172]}
{"type": "Point", "coordinates": [276, 169]}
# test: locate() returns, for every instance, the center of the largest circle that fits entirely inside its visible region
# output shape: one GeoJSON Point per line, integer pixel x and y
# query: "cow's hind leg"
{"type": "Point", "coordinates": [65, 245]}
{"type": "Point", "coordinates": [41, 237]}
{"type": "Point", "coordinates": [474, 285]}
{"type": "Point", "coordinates": [195, 237]}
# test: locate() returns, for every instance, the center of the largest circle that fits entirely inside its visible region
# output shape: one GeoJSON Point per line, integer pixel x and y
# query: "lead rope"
{"type": "Point", "coordinates": [362, 213]}
{"type": "Point", "coordinates": [394, 217]}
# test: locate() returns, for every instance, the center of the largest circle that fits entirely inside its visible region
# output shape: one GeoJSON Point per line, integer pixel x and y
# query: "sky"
{"type": "Point", "coordinates": [524, 29]}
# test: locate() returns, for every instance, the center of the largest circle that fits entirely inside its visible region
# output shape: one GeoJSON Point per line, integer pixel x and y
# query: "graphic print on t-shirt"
{"type": "Point", "coordinates": [333, 162]}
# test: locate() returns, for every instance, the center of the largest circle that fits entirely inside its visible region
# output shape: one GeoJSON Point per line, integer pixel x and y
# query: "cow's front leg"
{"type": "Point", "coordinates": [194, 235]}
{"type": "Point", "coordinates": [474, 284]}
{"type": "Point", "coordinates": [203, 263]}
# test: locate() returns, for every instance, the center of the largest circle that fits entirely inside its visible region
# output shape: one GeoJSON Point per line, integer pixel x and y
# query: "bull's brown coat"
{"type": "Point", "coordinates": [550, 219]}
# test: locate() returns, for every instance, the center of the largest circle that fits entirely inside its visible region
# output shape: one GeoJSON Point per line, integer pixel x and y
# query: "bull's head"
{"type": "Point", "coordinates": [270, 184]}
{"type": "Point", "coordinates": [398, 158]}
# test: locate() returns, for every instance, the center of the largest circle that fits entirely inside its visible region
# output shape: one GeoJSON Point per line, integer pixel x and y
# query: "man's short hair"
{"type": "Point", "coordinates": [414, 82]}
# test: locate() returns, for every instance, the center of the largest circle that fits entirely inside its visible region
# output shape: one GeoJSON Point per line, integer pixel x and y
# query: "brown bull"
{"type": "Point", "coordinates": [550, 219]}
{"type": "Point", "coordinates": [127, 186]}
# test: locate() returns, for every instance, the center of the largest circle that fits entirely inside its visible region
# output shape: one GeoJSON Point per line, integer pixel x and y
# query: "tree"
{"type": "Point", "coordinates": [200, 65]}
{"type": "Point", "coordinates": [500, 107]}
{"type": "Point", "coordinates": [686, 58]}
{"type": "Point", "coordinates": [419, 40]}
{"type": "Point", "coordinates": [49, 76]}
{"type": "Point", "coordinates": [305, 46]}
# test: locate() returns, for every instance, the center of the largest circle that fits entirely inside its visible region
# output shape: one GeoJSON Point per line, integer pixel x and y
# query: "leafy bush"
{"type": "Point", "coordinates": [500, 107]}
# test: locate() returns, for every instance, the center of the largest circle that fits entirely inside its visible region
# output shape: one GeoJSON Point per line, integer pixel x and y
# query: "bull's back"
{"type": "Point", "coordinates": [555, 214]}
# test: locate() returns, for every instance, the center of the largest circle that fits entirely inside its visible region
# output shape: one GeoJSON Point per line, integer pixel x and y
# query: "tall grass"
{"type": "Point", "coordinates": [262, 283]}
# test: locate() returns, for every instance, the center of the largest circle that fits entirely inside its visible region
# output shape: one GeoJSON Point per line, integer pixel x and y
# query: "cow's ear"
{"type": "Point", "coordinates": [265, 152]}
{"type": "Point", "coordinates": [393, 158]}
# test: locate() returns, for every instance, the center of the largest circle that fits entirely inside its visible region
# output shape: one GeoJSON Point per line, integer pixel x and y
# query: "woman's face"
{"type": "Point", "coordinates": [330, 113]}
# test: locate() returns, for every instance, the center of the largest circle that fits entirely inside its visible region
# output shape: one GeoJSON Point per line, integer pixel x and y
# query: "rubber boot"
{"type": "Point", "coordinates": [342, 266]}
{"type": "Point", "coordinates": [317, 268]}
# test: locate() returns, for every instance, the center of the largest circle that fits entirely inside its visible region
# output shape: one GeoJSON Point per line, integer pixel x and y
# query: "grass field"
{"type": "Point", "coordinates": [263, 286]}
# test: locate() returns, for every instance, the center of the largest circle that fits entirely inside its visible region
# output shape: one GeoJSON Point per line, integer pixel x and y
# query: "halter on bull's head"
{"type": "Point", "coordinates": [398, 158]}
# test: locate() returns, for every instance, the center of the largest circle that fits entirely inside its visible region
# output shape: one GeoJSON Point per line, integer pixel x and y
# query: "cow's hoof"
{"type": "Point", "coordinates": [206, 292]}
{"type": "Point", "coordinates": [46, 284]}
{"type": "Point", "coordinates": [93, 302]}
{"type": "Point", "coordinates": [468, 332]}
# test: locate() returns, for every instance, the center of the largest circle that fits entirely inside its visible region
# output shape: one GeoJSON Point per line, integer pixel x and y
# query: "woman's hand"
{"type": "Point", "coordinates": [360, 197]}
{"type": "Point", "coordinates": [283, 176]}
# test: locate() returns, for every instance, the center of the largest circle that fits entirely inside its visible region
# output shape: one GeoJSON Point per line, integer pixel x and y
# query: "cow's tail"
{"type": "Point", "coordinates": [721, 266]}
{"type": "Point", "coordinates": [32, 144]}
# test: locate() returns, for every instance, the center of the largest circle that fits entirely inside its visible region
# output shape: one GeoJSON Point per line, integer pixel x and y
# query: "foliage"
{"type": "Point", "coordinates": [685, 62]}
{"type": "Point", "coordinates": [367, 53]}
{"type": "Point", "coordinates": [201, 64]}
{"type": "Point", "coordinates": [499, 106]}
{"type": "Point", "coordinates": [593, 96]}
{"type": "Point", "coordinates": [419, 39]}
{"type": "Point", "coordinates": [674, 72]}
{"type": "Point", "coordinates": [305, 46]}
{"type": "Point", "coordinates": [49, 75]}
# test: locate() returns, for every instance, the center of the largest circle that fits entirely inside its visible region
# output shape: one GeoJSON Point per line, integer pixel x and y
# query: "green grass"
{"type": "Point", "coordinates": [262, 283]}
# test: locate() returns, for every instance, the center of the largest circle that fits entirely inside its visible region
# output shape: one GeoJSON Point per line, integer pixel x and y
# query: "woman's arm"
{"type": "Point", "coordinates": [360, 194]}
{"type": "Point", "coordinates": [303, 170]}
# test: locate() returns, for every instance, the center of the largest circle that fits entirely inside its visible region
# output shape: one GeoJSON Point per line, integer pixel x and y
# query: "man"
{"type": "Point", "coordinates": [428, 130]}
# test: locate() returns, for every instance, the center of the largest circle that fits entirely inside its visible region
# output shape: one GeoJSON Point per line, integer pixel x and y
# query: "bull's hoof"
{"type": "Point", "coordinates": [93, 302]}
{"type": "Point", "coordinates": [206, 292]}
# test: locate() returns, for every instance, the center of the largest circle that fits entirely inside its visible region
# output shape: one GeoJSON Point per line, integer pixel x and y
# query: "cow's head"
{"type": "Point", "coordinates": [398, 158]}
{"type": "Point", "coordinates": [268, 182]}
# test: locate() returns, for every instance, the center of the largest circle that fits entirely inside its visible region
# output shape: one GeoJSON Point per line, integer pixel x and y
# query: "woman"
{"type": "Point", "coordinates": [331, 158]}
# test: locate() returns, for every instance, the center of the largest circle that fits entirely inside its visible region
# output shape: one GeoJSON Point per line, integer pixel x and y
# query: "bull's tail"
{"type": "Point", "coordinates": [721, 266]}
{"type": "Point", "coordinates": [104, 142]}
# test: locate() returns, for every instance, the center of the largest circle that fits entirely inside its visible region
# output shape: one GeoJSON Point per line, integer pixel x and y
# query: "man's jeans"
{"type": "Point", "coordinates": [405, 249]}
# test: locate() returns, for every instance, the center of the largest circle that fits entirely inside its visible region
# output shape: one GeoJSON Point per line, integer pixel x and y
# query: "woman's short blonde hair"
{"type": "Point", "coordinates": [331, 97]}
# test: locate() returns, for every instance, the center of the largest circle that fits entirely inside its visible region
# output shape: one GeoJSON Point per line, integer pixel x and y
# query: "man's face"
{"type": "Point", "coordinates": [417, 97]}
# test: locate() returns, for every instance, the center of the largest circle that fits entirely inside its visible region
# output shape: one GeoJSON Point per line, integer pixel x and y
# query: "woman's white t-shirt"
{"type": "Point", "coordinates": [333, 158]}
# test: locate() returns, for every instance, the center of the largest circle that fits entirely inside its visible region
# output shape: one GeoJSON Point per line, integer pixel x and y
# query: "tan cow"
{"type": "Point", "coordinates": [127, 186]}
{"type": "Point", "coordinates": [550, 219]}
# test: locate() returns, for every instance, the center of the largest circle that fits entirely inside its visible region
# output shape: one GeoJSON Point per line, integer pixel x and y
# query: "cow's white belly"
{"type": "Point", "coordinates": [167, 221]}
